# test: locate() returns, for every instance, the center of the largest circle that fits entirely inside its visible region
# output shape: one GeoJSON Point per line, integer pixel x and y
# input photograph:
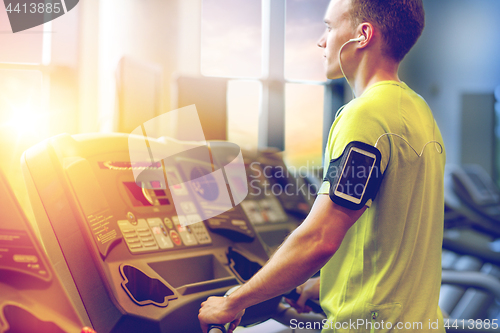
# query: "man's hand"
{"type": "Point", "coordinates": [308, 290]}
{"type": "Point", "coordinates": [217, 310]}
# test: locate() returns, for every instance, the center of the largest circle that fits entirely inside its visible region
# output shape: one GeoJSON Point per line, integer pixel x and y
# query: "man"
{"type": "Point", "coordinates": [381, 262]}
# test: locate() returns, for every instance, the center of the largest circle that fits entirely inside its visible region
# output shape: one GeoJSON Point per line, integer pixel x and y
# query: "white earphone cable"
{"type": "Point", "coordinates": [342, 69]}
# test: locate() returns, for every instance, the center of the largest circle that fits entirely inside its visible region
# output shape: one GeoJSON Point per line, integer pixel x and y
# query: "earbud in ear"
{"type": "Point", "coordinates": [359, 39]}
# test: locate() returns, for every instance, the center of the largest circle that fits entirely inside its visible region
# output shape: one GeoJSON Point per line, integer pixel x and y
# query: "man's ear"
{"type": "Point", "coordinates": [367, 30]}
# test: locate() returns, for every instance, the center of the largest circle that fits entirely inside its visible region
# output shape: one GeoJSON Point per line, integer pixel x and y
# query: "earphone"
{"type": "Point", "coordinates": [359, 39]}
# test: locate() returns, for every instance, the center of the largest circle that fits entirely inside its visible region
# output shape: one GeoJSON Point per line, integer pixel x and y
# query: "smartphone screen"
{"type": "Point", "coordinates": [355, 175]}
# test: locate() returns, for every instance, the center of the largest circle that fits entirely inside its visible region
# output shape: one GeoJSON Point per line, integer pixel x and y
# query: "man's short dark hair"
{"type": "Point", "coordinates": [400, 21]}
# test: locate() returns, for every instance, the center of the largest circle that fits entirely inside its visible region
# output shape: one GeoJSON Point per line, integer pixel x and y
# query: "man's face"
{"type": "Point", "coordinates": [338, 31]}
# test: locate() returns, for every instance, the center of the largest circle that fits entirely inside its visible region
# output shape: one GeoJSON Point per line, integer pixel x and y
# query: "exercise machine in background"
{"type": "Point", "coordinates": [32, 298]}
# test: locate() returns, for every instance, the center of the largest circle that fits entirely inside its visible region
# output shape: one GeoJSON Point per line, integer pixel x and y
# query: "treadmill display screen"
{"type": "Point", "coordinates": [141, 197]}
{"type": "Point", "coordinates": [136, 195]}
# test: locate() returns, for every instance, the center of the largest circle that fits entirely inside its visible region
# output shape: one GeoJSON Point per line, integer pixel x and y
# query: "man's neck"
{"type": "Point", "coordinates": [371, 71]}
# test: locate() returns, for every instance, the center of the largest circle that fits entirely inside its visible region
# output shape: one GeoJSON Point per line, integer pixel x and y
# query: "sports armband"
{"type": "Point", "coordinates": [355, 176]}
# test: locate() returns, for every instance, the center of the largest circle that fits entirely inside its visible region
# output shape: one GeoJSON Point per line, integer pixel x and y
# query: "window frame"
{"type": "Point", "coordinates": [273, 81]}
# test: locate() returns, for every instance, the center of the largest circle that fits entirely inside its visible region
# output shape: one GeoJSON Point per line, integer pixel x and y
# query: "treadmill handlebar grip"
{"type": "Point", "coordinates": [472, 279]}
{"type": "Point", "coordinates": [216, 328]}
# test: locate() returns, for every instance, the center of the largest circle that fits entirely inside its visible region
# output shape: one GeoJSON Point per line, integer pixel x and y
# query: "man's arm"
{"type": "Point", "coordinates": [304, 252]}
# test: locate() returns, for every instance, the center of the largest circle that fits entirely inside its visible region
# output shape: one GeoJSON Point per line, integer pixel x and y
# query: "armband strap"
{"type": "Point", "coordinates": [355, 176]}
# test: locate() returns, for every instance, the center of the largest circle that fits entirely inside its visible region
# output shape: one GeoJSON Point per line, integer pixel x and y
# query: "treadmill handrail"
{"type": "Point", "coordinates": [472, 279]}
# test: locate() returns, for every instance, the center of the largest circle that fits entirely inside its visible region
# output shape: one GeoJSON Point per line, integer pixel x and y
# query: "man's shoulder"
{"type": "Point", "coordinates": [386, 92]}
{"type": "Point", "coordinates": [383, 102]}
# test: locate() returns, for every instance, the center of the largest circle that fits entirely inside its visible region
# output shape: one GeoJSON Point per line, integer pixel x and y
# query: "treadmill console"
{"type": "Point", "coordinates": [477, 190]}
{"type": "Point", "coordinates": [143, 240]}
{"type": "Point", "coordinates": [291, 190]}
{"type": "Point", "coordinates": [277, 201]}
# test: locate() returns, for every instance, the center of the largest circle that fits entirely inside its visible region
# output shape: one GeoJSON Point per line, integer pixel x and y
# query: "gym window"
{"type": "Point", "coordinates": [276, 93]}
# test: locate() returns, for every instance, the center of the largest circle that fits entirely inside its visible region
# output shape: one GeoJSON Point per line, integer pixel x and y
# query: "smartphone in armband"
{"type": "Point", "coordinates": [355, 176]}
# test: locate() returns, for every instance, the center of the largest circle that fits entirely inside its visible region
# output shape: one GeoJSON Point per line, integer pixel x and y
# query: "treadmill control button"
{"type": "Point", "coordinates": [175, 237]}
{"type": "Point", "coordinates": [133, 240]}
{"type": "Point", "coordinates": [201, 233]}
{"type": "Point", "coordinates": [188, 237]}
{"type": "Point", "coordinates": [131, 217]}
{"type": "Point", "coordinates": [138, 238]}
{"type": "Point", "coordinates": [160, 233]}
{"type": "Point", "coordinates": [181, 224]}
{"type": "Point", "coordinates": [164, 241]}
{"type": "Point", "coordinates": [168, 223]}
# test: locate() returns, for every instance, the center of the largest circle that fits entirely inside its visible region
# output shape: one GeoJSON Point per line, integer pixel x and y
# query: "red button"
{"type": "Point", "coordinates": [175, 237]}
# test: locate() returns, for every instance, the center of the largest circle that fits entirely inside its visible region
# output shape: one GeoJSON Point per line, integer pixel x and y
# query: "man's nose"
{"type": "Point", "coordinates": [322, 41]}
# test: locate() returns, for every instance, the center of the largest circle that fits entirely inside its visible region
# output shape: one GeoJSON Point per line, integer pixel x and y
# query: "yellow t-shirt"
{"type": "Point", "coordinates": [388, 268]}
